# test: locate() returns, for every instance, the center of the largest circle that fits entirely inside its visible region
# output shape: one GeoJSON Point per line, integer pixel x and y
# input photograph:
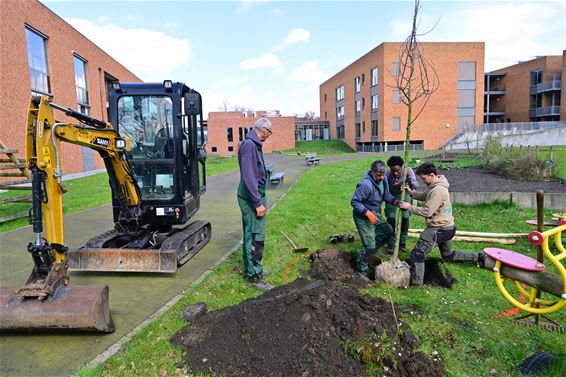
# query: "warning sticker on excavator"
{"type": "Point", "coordinates": [83, 137]}
{"type": "Point", "coordinates": [47, 156]}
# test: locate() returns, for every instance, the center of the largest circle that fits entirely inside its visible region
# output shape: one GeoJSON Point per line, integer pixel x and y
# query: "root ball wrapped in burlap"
{"type": "Point", "coordinates": [394, 272]}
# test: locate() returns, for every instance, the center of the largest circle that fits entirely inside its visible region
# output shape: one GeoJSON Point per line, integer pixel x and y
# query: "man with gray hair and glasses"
{"type": "Point", "coordinates": [373, 228]}
{"type": "Point", "coordinates": [252, 200]}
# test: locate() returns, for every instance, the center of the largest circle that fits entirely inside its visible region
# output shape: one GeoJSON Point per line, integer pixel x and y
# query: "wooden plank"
{"type": "Point", "coordinates": [20, 174]}
{"type": "Point", "coordinates": [480, 234]}
{"type": "Point", "coordinates": [16, 199]}
{"type": "Point", "coordinates": [12, 166]}
{"type": "Point", "coordinates": [503, 241]}
{"type": "Point", "coordinates": [10, 187]}
{"type": "Point", "coordinates": [8, 151]}
{"type": "Point", "coordinates": [13, 217]}
{"type": "Point", "coordinates": [20, 160]}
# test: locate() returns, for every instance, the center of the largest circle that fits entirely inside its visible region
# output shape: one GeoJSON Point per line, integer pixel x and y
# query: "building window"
{"type": "Point", "coordinates": [374, 76]}
{"type": "Point", "coordinates": [358, 83]}
{"type": "Point", "coordinates": [340, 131]}
{"type": "Point", "coordinates": [81, 87]}
{"type": "Point", "coordinates": [325, 116]}
{"type": "Point", "coordinates": [324, 97]}
{"type": "Point", "coordinates": [396, 96]}
{"type": "Point", "coordinates": [396, 124]}
{"type": "Point", "coordinates": [230, 134]}
{"type": "Point", "coordinates": [395, 66]}
{"type": "Point", "coordinates": [37, 61]}
{"type": "Point", "coordinates": [364, 127]}
{"type": "Point", "coordinates": [536, 77]}
{"type": "Point", "coordinates": [374, 128]}
{"type": "Point", "coordinates": [363, 79]}
{"type": "Point", "coordinates": [363, 103]}
{"type": "Point", "coordinates": [358, 131]}
{"type": "Point", "coordinates": [213, 149]}
{"type": "Point", "coordinates": [230, 149]}
{"type": "Point", "coordinates": [340, 112]}
{"type": "Point", "coordinates": [466, 95]}
{"type": "Point", "coordinates": [358, 107]}
{"type": "Point", "coordinates": [374, 102]}
{"type": "Point", "coordinates": [339, 93]}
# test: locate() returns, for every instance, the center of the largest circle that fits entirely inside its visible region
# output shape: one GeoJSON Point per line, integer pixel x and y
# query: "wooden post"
{"type": "Point", "coordinates": [540, 228]}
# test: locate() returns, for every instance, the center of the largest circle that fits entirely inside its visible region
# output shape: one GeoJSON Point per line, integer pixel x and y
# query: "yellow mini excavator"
{"type": "Point", "coordinates": [153, 151]}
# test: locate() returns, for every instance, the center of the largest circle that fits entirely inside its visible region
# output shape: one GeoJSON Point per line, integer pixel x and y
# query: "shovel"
{"type": "Point", "coordinates": [295, 248]}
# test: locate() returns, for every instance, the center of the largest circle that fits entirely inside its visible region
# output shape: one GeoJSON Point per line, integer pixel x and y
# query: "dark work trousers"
{"type": "Point", "coordinates": [254, 236]}
{"type": "Point", "coordinates": [373, 237]}
{"type": "Point", "coordinates": [429, 238]}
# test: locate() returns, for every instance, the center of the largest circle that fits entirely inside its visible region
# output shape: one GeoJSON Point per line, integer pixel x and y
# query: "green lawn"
{"type": "Point", "coordinates": [320, 147]}
{"type": "Point", "coordinates": [558, 156]}
{"type": "Point", "coordinates": [460, 324]}
{"type": "Point", "coordinates": [220, 164]}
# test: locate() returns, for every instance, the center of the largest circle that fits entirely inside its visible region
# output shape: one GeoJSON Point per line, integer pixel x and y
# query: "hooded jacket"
{"type": "Point", "coordinates": [252, 167]}
{"type": "Point", "coordinates": [437, 208]}
{"type": "Point", "coordinates": [368, 196]}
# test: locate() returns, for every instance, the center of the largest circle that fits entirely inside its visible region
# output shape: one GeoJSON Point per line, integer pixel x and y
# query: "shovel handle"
{"type": "Point", "coordinates": [290, 240]}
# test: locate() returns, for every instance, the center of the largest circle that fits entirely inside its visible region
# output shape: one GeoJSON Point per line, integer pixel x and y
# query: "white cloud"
{"type": "Point", "coordinates": [245, 5]}
{"type": "Point", "coordinates": [308, 72]}
{"type": "Point", "coordinates": [266, 60]}
{"type": "Point", "coordinates": [511, 31]}
{"type": "Point", "coordinates": [295, 36]}
{"type": "Point", "coordinates": [151, 55]}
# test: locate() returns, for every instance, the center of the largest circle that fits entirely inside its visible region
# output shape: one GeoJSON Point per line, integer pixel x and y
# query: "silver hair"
{"type": "Point", "coordinates": [262, 123]}
{"type": "Point", "coordinates": [378, 166]}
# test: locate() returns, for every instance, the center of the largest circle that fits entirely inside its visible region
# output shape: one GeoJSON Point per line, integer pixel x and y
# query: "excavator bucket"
{"type": "Point", "coordinates": [76, 308]}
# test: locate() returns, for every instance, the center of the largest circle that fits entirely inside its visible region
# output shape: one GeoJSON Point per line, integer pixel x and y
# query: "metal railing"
{"type": "Point", "coordinates": [546, 86]}
{"type": "Point", "coordinates": [544, 111]}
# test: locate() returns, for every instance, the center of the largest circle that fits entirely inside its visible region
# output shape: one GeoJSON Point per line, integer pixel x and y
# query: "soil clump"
{"type": "Point", "coordinates": [318, 327]}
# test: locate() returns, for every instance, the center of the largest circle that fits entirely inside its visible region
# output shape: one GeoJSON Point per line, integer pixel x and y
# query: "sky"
{"type": "Point", "coordinates": [273, 55]}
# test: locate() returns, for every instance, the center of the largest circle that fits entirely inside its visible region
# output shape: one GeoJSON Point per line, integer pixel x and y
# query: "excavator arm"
{"type": "Point", "coordinates": [43, 154]}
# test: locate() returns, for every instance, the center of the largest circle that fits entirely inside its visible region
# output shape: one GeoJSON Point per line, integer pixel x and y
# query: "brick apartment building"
{"type": "Point", "coordinates": [529, 91]}
{"type": "Point", "coordinates": [226, 129]}
{"type": "Point", "coordinates": [42, 54]}
{"type": "Point", "coordinates": [363, 108]}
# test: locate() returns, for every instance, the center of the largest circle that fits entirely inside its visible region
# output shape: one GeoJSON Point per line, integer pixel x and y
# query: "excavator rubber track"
{"type": "Point", "coordinates": [174, 251]}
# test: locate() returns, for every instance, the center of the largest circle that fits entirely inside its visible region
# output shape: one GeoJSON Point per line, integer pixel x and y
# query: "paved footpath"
{"type": "Point", "coordinates": [133, 297]}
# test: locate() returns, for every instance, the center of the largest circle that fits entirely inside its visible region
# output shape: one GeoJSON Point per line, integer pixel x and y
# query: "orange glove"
{"type": "Point", "coordinates": [372, 218]}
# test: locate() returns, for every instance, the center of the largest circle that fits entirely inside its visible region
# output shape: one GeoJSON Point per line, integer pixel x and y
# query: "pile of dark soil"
{"type": "Point", "coordinates": [338, 265]}
{"type": "Point", "coordinates": [303, 329]}
{"type": "Point", "coordinates": [477, 180]}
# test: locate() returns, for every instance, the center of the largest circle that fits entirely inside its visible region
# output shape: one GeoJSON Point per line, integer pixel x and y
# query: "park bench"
{"type": "Point", "coordinates": [312, 159]}
{"type": "Point", "coordinates": [274, 178]}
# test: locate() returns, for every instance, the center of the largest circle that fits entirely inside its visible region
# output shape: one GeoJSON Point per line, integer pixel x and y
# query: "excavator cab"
{"type": "Point", "coordinates": [164, 124]}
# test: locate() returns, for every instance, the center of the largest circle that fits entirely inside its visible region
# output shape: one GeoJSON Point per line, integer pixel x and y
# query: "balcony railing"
{"type": "Point", "coordinates": [546, 87]}
{"type": "Point", "coordinates": [544, 111]}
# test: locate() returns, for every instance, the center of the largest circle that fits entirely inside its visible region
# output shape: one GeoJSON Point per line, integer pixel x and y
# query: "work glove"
{"type": "Point", "coordinates": [372, 218]}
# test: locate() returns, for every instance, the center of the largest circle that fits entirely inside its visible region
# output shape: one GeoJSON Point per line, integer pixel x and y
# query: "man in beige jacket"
{"type": "Point", "coordinates": [440, 228]}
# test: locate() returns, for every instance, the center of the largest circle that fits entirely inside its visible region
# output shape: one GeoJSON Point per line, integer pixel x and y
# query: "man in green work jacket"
{"type": "Point", "coordinates": [252, 200]}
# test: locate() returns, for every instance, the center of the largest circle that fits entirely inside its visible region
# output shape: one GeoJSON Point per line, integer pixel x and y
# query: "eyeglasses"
{"type": "Point", "coordinates": [269, 132]}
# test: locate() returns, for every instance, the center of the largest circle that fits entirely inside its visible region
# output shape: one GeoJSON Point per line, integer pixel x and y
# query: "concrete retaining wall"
{"type": "Point", "coordinates": [550, 137]}
{"type": "Point", "coordinates": [555, 201]}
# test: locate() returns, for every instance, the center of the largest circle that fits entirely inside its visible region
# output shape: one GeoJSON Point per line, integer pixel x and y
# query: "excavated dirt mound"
{"type": "Point", "coordinates": [303, 329]}
{"type": "Point", "coordinates": [338, 265]}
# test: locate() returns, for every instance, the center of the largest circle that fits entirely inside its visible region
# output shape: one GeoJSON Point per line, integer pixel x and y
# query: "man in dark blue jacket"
{"type": "Point", "coordinates": [252, 200]}
{"type": "Point", "coordinates": [373, 228]}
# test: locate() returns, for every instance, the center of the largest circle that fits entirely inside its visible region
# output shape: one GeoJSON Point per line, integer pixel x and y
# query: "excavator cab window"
{"type": "Point", "coordinates": [148, 122]}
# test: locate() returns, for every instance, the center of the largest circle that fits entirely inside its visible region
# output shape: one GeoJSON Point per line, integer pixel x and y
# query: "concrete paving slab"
{"type": "Point", "coordinates": [133, 297]}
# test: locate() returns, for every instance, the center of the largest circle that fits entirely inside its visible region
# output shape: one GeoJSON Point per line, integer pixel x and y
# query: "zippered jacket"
{"type": "Point", "coordinates": [369, 196]}
{"type": "Point", "coordinates": [252, 167]}
{"type": "Point", "coordinates": [437, 208]}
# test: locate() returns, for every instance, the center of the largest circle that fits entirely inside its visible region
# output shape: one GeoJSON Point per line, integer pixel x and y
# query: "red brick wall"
{"type": "Point", "coordinates": [62, 41]}
{"type": "Point", "coordinates": [440, 111]}
{"type": "Point", "coordinates": [563, 92]}
{"type": "Point", "coordinates": [218, 122]}
{"type": "Point", "coordinates": [517, 81]}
